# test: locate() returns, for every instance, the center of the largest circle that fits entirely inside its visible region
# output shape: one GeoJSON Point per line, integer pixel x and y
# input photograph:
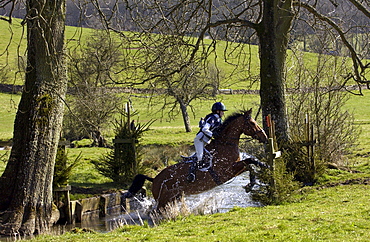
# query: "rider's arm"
{"type": "Point", "coordinates": [208, 127]}
{"type": "Point", "coordinates": [206, 130]}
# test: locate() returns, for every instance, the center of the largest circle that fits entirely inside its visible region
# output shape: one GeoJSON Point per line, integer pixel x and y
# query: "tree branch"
{"type": "Point", "coordinates": [3, 4]}
{"type": "Point", "coordinates": [360, 7]}
{"type": "Point", "coordinates": [358, 76]}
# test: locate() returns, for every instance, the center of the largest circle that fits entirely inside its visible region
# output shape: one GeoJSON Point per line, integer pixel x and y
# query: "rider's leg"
{"type": "Point", "coordinates": [199, 146]}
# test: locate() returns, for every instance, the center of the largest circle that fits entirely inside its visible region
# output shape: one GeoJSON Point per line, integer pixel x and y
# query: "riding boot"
{"type": "Point", "coordinates": [192, 170]}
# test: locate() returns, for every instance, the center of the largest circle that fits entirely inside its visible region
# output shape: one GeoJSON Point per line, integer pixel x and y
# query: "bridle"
{"type": "Point", "coordinates": [255, 135]}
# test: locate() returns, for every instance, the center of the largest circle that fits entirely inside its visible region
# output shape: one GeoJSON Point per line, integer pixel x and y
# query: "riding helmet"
{"type": "Point", "coordinates": [218, 106]}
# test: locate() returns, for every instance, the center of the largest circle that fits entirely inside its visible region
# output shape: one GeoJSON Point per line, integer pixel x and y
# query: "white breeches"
{"type": "Point", "coordinates": [199, 146]}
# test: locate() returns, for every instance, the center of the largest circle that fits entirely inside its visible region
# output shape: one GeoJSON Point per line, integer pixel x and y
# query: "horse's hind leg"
{"type": "Point", "coordinates": [165, 203]}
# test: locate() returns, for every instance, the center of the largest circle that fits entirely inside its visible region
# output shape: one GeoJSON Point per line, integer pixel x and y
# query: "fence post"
{"type": "Point", "coordinates": [309, 143]}
{"type": "Point", "coordinates": [273, 151]}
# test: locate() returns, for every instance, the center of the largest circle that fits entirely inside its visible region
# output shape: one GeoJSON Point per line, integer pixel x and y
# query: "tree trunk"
{"type": "Point", "coordinates": [26, 184]}
{"type": "Point", "coordinates": [273, 35]}
{"type": "Point", "coordinates": [185, 116]}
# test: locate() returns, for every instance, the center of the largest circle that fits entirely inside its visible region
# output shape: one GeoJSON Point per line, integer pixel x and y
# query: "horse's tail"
{"type": "Point", "coordinates": [138, 183]}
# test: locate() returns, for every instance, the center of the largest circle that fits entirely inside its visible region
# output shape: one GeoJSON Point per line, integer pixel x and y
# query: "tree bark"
{"type": "Point", "coordinates": [185, 115]}
{"type": "Point", "coordinates": [26, 184]}
{"type": "Point", "coordinates": [273, 34]}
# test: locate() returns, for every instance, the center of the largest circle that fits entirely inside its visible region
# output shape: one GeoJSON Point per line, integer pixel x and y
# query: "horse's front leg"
{"type": "Point", "coordinates": [255, 162]}
{"type": "Point", "coordinates": [245, 165]}
{"type": "Point", "coordinates": [238, 168]}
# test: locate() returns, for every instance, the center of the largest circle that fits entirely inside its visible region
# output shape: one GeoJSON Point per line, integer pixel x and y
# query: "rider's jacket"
{"type": "Point", "coordinates": [211, 122]}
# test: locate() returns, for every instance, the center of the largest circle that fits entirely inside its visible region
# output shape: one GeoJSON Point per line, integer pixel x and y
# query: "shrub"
{"type": "Point", "coordinates": [62, 169]}
{"type": "Point", "coordinates": [121, 164]}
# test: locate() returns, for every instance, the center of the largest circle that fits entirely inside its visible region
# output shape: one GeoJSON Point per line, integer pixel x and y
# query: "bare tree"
{"type": "Point", "coordinates": [26, 184]}
{"type": "Point", "coordinates": [181, 89]}
{"type": "Point", "coordinates": [269, 21]}
{"type": "Point", "coordinates": [92, 104]}
{"type": "Point", "coordinates": [316, 96]}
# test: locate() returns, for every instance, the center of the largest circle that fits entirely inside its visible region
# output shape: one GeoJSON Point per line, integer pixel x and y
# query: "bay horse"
{"type": "Point", "coordinates": [171, 183]}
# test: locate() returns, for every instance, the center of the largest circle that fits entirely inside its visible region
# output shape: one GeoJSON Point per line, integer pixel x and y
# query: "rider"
{"type": "Point", "coordinates": [204, 136]}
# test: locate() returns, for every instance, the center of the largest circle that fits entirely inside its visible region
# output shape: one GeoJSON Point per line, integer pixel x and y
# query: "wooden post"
{"type": "Point", "coordinates": [307, 136]}
{"type": "Point", "coordinates": [273, 146]}
{"type": "Point", "coordinates": [273, 152]}
{"type": "Point", "coordinates": [309, 143]}
{"type": "Point", "coordinates": [61, 195]}
{"type": "Point", "coordinates": [312, 151]}
{"type": "Point", "coordinates": [128, 115]}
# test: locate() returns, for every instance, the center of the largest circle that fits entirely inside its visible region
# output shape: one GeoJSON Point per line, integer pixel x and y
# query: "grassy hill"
{"type": "Point", "coordinates": [14, 40]}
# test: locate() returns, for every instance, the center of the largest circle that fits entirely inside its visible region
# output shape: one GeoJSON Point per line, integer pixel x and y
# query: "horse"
{"type": "Point", "coordinates": [171, 183]}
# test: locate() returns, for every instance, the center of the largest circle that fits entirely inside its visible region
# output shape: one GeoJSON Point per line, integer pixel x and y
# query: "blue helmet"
{"type": "Point", "coordinates": [219, 106]}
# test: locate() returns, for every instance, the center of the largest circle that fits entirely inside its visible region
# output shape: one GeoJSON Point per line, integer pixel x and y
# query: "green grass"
{"type": "Point", "coordinates": [163, 130]}
{"type": "Point", "coordinates": [334, 214]}
{"type": "Point", "coordinates": [14, 41]}
{"type": "Point", "coordinates": [359, 105]}
{"type": "Point", "coordinates": [9, 105]}
{"type": "Point", "coordinates": [13, 45]}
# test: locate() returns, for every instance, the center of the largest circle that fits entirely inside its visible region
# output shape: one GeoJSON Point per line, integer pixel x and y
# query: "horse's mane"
{"type": "Point", "coordinates": [228, 120]}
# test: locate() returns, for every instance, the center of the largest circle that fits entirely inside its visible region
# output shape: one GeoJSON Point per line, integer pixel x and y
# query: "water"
{"type": "Point", "coordinates": [217, 200]}
{"type": "Point", "coordinates": [223, 198]}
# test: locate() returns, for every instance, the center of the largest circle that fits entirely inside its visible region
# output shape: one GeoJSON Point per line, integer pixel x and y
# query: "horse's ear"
{"type": "Point", "coordinates": [248, 113]}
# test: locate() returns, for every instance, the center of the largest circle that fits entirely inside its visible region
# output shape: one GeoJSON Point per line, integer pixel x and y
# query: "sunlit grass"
{"type": "Point", "coordinates": [9, 105]}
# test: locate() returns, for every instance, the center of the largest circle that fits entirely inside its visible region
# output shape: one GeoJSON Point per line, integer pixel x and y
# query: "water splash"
{"type": "Point", "coordinates": [222, 198]}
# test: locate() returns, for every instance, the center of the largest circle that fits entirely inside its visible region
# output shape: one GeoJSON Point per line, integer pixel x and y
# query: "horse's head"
{"type": "Point", "coordinates": [253, 129]}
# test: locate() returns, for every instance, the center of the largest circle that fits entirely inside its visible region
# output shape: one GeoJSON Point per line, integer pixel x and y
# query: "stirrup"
{"type": "Point", "coordinates": [187, 159]}
{"type": "Point", "coordinates": [191, 177]}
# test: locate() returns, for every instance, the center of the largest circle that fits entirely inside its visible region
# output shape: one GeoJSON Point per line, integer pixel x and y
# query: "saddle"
{"type": "Point", "coordinates": [204, 164]}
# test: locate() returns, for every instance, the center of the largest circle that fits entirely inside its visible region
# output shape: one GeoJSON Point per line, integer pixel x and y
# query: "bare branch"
{"type": "Point", "coordinates": [357, 63]}
{"type": "Point", "coordinates": [361, 7]}
{"type": "Point", "coordinates": [3, 4]}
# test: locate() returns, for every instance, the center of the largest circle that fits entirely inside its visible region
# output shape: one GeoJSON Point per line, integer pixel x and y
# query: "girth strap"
{"type": "Point", "coordinates": [214, 176]}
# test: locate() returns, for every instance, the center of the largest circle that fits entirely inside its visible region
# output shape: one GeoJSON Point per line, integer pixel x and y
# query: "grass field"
{"type": "Point", "coordinates": [14, 41]}
{"type": "Point", "coordinates": [164, 131]}
{"type": "Point", "coordinates": [173, 129]}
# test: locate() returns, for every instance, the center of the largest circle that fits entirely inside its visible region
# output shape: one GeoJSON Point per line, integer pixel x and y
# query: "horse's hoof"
{"type": "Point", "coordinates": [249, 187]}
{"type": "Point", "coordinates": [191, 177]}
{"type": "Point", "coordinates": [127, 195]}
